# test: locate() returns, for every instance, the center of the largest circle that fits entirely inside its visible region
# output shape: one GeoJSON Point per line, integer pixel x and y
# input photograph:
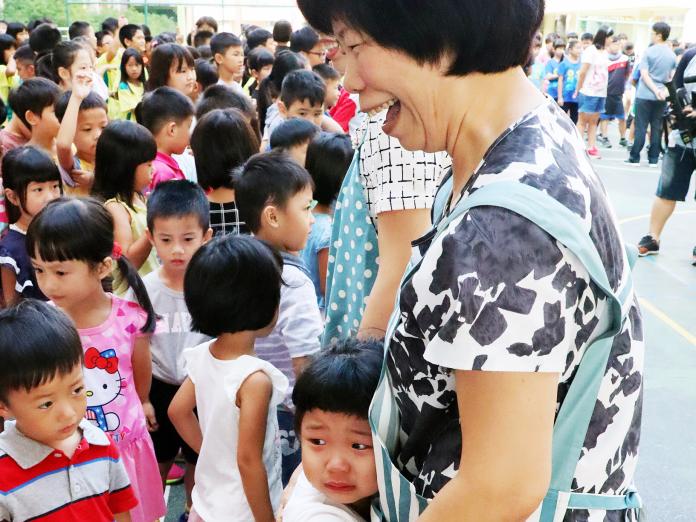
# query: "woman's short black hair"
{"type": "Point", "coordinates": [6, 43]}
{"type": "Point", "coordinates": [485, 36]}
{"type": "Point", "coordinates": [269, 178]}
{"type": "Point", "coordinates": [91, 101]}
{"type": "Point", "coordinates": [220, 96]}
{"type": "Point", "coordinates": [164, 57]}
{"type": "Point", "coordinates": [127, 55]}
{"type": "Point", "coordinates": [222, 141]}
{"type": "Point", "coordinates": [178, 198]}
{"type": "Point", "coordinates": [32, 95]}
{"type": "Point", "coordinates": [304, 40]}
{"type": "Point", "coordinates": [293, 132]}
{"type": "Point", "coordinates": [303, 85]}
{"type": "Point", "coordinates": [122, 146]}
{"type": "Point", "coordinates": [38, 342]}
{"type": "Point", "coordinates": [161, 106]}
{"type": "Point", "coordinates": [206, 73]}
{"type": "Point", "coordinates": [328, 157]}
{"type": "Point", "coordinates": [340, 379]}
{"type": "Point", "coordinates": [22, 166]}
{"type": "Point", "coordinates": [232, 284]}
{"type": "Point", "coordinates": [258, 37]}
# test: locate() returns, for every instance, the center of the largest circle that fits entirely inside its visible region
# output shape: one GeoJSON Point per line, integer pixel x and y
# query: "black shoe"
{"type": "Point", "coordinates": [648, 246]}
{"type": "Point", "coordinates": [604, 142]}
{"type": "Point", "coordinates": [623, 142]}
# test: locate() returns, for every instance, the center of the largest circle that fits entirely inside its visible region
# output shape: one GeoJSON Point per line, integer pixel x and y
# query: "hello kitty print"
{"type": "Point", "coordinates": [112, 400]}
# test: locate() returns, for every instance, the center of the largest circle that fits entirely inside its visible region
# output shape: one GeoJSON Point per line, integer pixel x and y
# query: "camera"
{"type": "Point", "coordinates": [679, 98]}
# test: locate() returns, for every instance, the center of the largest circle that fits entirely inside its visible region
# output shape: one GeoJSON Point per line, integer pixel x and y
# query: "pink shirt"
{"type": "Point", "coordinates": [112, 400]}
{"type": "Point", "coordinates": [164, 168]}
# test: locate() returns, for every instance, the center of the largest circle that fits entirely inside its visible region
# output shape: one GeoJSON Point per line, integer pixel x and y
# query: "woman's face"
{"type": "Point", "coordinates": [375, 72]}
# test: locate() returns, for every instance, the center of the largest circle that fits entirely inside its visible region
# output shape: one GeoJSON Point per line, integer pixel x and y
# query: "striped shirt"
{"type": "Point", "coordinates": [38, 482]}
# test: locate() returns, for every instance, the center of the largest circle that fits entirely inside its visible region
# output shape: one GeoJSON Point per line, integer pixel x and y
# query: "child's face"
{"type": "Point", "coordinates": [143, 176]}
{"type": "Point", "coordinates": [47, 125]}
{"type": "Point", "coordinates": [50, 412]}
{"type": "Point", "coordinates": [83, 64]}
{"type": "Point", "coordinates": [69, 283]}
{"type": "Point", "coordinates": [107, 42]}
{"type": "Point", "coordinates": [25, 70]}
{"type": "Point", "coordinates": [37, 196]}
{"type": "Point", "coordinates": [133, 69]}
{"type": "Point", "coordinates": [263, 73]}
{"type": "Point", "coordinates": [182, 79]}
{"type": "Point", "coordinates": [305, 110]}
{"type": "Point", "coordinates": [176, 239]}
{"type": "Point", "coordinates": [299, 153]}
{"type": "Point", "coordinates": [332, 93]}
{"type": "Point", "coordinates": [138, 41]}
{"type": "Point", "coordinates": [179, 136]}
{"type": "Point", "coordinates": [271, 45]}
{"type": "Point", "coordinates": [317, 55]}
{"type": "Point", "coordinates": [90, 124]}
{"type": "Point", "coordinates": [558, 53]}
{"type": "Point", "coordinates": [295, 221]}
{"type": "Point", "coordinates": [232, 60]}
{"type": "Point", "coordinates": [337, 455]}
{"type": "Point", "coordinates": [7, 54]}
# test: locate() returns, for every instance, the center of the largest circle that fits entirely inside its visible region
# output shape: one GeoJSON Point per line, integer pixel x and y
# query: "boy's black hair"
{"type": "Point", "coordinates": [201, 37]}
{"type": "Point", "coordinates": [303, 85]}
{"type": "Point", "coordinates": [163, 58]}
{"type": "Point", "coordinates": [586, 36]}
{"type": "Point", "coordinates": [44, 38]}
{"type": "Point", "coordinates": [223, 41]}
{"type": "Point", "coordinates": [110, 25]}
{"type": "Point", "coordinates": [340, 379]}
{"type": "Point", "coordinates": [232, 284]}
{"type": "Point", "coordinates": [163, 105]}
{"type": "Point", "coordinates": [38, 343]}
{"type": "Point", "coordinates": [178, 198]}
{"type": "Point", "coordinates": [572, 35]}
{"type": "Point", "coordinates": [326, 72]}
{"type": "Point", "coordinates": [33, 24]}
{"type": "Point", "coordinates": [293, 132]}
{"type": "Point", "coordinates": [207, 20]}
{"type": "Point", "coordinates": [663, 29]}
{"type": "Point", "coordinates": [194, 52]}
{"type": "Point", "coordinates": [32, 95]}
{"type": "Point", "coordinates": [221, 142]}
{"type": "Point", "coordinates": [78, 28]}
{"type": "Point", "coordinates": [222, 97]}
{"type": "Point", "coordinates": [14, 28]}
{"type": "Point", "coordinates": [127, 55]}
{"type": "Point", "coordinates": [82, 229]}
{"type": "Point", "coordinates": [259, 58]}
{"type": "Point", "coordinates": [628, 47]}
{"type": "Point", "coordinates": [6, 43]}
{"type": "Point", "coordinates": [21, 166]}
{"type": "Point", "coordinates": [99, 35]}
{"type": "Point", "coordinates": [122, 146]}
{"type": "Point", "coordinates": [205, 52]}
{"type": "Point", "coordinates": [91, 101]}
{"type": "Point", "coordinates": [328, 157]}
{"type": "Point", "coordinates": [269, 178]}
{"type": "Point", "coordinates": [127, 32]}
{"type": "Point", "coordinates": [304, 40]}
{"type": "Point", "coordinates": [572, 44]}
{"type": "Point", "coordinates": [483, 36]}
{"type": "Point", "coordinates": [282, 31]}
{"type": "Point", "coordinates": [206, 73]}
{"type": "Point", "coordinates": [24, 54]}
{"type": "Point", "coordinates": [258, 37]}
{"type": "Point", "coordinates": [285, 62]}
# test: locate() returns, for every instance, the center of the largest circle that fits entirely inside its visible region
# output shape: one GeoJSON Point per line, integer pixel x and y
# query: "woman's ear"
{"type": "Point", "coordinates": [11, 196]}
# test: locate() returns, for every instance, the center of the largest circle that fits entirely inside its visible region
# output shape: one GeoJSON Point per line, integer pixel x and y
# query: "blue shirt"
{"type": "Point", "coordinates": [659, 61]}
{"type": "Point", "coordinates": [570, 72]}
{"type": "Point", "coordinates": [552, 68]}
{"type": "Point", "coordinates": [319, 239]}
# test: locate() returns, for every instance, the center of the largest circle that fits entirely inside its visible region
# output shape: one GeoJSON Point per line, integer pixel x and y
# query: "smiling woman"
{"type": "Point", "coordinates": [516, 341]}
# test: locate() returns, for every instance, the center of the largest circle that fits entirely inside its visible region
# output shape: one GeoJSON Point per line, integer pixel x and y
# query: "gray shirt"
{"type": "Point", "coordinates": [659, 61]}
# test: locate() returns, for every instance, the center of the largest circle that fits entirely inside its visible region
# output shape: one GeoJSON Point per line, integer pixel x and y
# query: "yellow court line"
{"type": "Point", "coordinates": [691, 338]}
{"type": "Point", "coordinates": [646, 216]}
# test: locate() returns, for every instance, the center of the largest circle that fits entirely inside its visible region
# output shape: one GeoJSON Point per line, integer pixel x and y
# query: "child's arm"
{"type": "Point", "coordinates": [328, 124]}
{"type": "Point", "coordinates": [122, 517]}
{"type": "Point", "coordinates": [323, 266]}
{"type": "Point", "coordinates": [82, 86]}
{"type": "Point", "coordinates": [253, 398]}
{"type": "Point", "coordinates": [136, 251]}
{"type": "Point", "coordinates": [560, 90]}
{"type": "Point", "coordinates": [9, 280]}
{"type": "Point", "coordinates": [142, 377]}
{"type": "Point", "coordinates": [181, 414]}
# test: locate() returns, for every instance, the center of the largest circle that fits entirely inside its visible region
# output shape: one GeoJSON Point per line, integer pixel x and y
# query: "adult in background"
{"type": "Point", "coordinates": [282, 30]}
{"type": "Point", "coordinates": [495, 315]}
{"type": "Point", "coordinates": [656, 68]}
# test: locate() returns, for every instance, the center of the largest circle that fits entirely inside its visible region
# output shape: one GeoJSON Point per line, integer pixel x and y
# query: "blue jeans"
{"type": "Point", "coordinates": [648, 112]}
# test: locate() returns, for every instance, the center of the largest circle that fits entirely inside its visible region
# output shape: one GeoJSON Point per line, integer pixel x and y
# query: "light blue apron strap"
{"type": "Point", "coordinates": [631, 500]}
{"type": "Point", "coordinates": [444, 191]}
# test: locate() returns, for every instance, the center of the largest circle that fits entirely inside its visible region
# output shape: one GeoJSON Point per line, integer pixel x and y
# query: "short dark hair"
{"type": "Point", "coordinates": [163, 105]}
{"type": "Point", "coordinates": [109, 25]}
{"type": "Point", "coordinates": [663, 29]}
{"type": "Point", "coordinates": [303, 85]}
{"type": "Point", "coordinates": [21, 166]}
{"type": "Point", "coordinates": [586, 36]}
{"type": "Point", "coordinates": [483, 37]}
{"type": "Point", "coordinates": [221, 142]}
{"type": "Point", "coordinates": [127, 55]}
{"type": "Point", "coordinates": [99, 35]}
{"type": "Point", "coordinates": [259, 58]}
{"type": "Point", "coordinates": [205, 52]}
{"type": "Point", "coordinates": [78, 28]}
{"type": "Point", "coordinates": [223, 41]}
{"type": "Point", "coordinates": [559, 44]}
{"type": "Point", "coordinates": [285, 62]}
{"type": "Point", "coordinates": [258, 37]}
{"type": "Point", "coordinates": [207, 20]}
{"type": "Point", "coordinates": [342, 378]}
{"type": "Point", "coordinates": [14, 28]}
{"type": "Point", "coordinates": [326, 72]}
{"type": "Point", "coordinates": [163, 58]}
{"type": "Point", "coordinates": [303, 40]}
{"type": "Point", "coordinates": [38, 342]}
{"type": "Point", "coordinates": [32, 95]}
{"type": "Point", "coordinates": [201, 38]}
{"type": "Point", "coordinates": [222, 97]}
{"type": "Point", "coordinates": [194, 52]}
{"type": "Point", "coordinates": [33, 24]}
{"type": "Point", "coordinates": [328, 157]}
{"type": "Point", "coordinates": [628, 47]}
{"type": "Point", "coordinates": [6, 43]}
{"type": "Point", "coordinates": [178, 198]}
{"type": "Point", "coordinates": [44, 38]}
{"type": "Point", "coordinates": [91, 101]}
{"type": "Point", "coordinates": [600, 37]}
{"type": "Point", "coordinates": [127, 32]}
{"type": "Point", "coordinates": [293, 132]}
{"type": "Point", "coordinates": [24, 54]}
{"type": "Point", "coordinates": [267, 178]}
{"type": "Point", "coordinates": [282, 30]}
{"type": "Point", "coordinates": [206, 73]}
{"type": "Point", "coordinates": [232, 284]}
{"type": "Point", "coordinates": [572, 35]}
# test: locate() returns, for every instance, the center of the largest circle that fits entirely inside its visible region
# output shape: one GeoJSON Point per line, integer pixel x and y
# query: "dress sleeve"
{"type": "Point", "coordinates": [121, 495]}
{"type": "Point", "coordinates": [137, 315]}
{"type": "Point", "coordinates": [500, 294]}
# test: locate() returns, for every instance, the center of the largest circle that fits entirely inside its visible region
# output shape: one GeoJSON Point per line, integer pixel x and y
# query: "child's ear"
{"type": "Point", "coordinates": [5, 411]}
{"type": "Point", "coordinates": [171, 129]}
{"type": "Point", "coordinates": [218, 58]}
{"type": "Point", "coordinates": [105, 268]}
{"type": "Point", "coordinates": [32, 118]}
{"type": "Point", "coordinates": [63, 74]}
{"type": "Point", "coordinates": [282, 109]}
{"type": "Point", "coordinates": [269, 217]}
{"type": "Point", "coordinates": [208, 235]}
{"type": "Point", "coordinates": [12, 197]}
{"type": "Point", "coordinates": [148, 234]}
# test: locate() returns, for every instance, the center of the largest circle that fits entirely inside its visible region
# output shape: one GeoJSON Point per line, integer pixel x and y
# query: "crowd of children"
{"type": "Point", "coordinates": [166, 225]}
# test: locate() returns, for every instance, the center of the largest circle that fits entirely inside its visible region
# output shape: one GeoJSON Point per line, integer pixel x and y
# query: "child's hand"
{"type": "Point", "coordinates": [83, 178]}
{"type": "Point", "coordinates": [82, 85]}
{"type": "Point", "coordinates": [150, 416]}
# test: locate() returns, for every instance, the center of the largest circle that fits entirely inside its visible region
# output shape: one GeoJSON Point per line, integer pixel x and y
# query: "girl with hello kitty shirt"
{"type": "Point", "coordinates": [71, 245]}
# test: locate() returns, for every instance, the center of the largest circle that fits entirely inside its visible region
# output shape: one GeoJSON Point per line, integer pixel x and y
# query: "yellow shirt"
{"type": "Point", "coordinates": [112, 77]}
{"type": "Point", "coordinates": [128, 96]}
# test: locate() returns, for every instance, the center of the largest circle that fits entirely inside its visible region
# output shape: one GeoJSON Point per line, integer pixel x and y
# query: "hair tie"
{"type": "Point", "coordinates": [117, 252]}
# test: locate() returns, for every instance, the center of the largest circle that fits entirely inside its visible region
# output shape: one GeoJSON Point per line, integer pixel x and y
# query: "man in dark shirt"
{"type": "Point", "coordinates": [619, 72]}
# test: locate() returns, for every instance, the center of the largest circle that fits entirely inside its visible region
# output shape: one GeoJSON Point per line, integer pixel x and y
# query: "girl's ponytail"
{"type": "Point", "coordinates": [135, 282]}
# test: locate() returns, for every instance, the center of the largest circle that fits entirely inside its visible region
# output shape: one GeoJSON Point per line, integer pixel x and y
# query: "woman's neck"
{"type": "Point", "coordinates": [492, 103]}
{"type": "Point", "coordinates": [221, 195]}
{"type": "Point", "coordinates": [230, 346]}
{"type": "Point", "coordinates": [92, 310]}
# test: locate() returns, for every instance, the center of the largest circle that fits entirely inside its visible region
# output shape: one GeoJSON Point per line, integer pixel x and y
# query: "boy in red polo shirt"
{"type": "Point", "coordinates": [54, 464]}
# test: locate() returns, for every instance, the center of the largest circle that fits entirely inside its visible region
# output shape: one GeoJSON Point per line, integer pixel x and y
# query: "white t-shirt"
{"type": "Point", "coordinates": [597, 77]}
{"type": "Point", "coordinates": [307, 504]}
{"type": "Point", "coordinates": [218, 493]}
